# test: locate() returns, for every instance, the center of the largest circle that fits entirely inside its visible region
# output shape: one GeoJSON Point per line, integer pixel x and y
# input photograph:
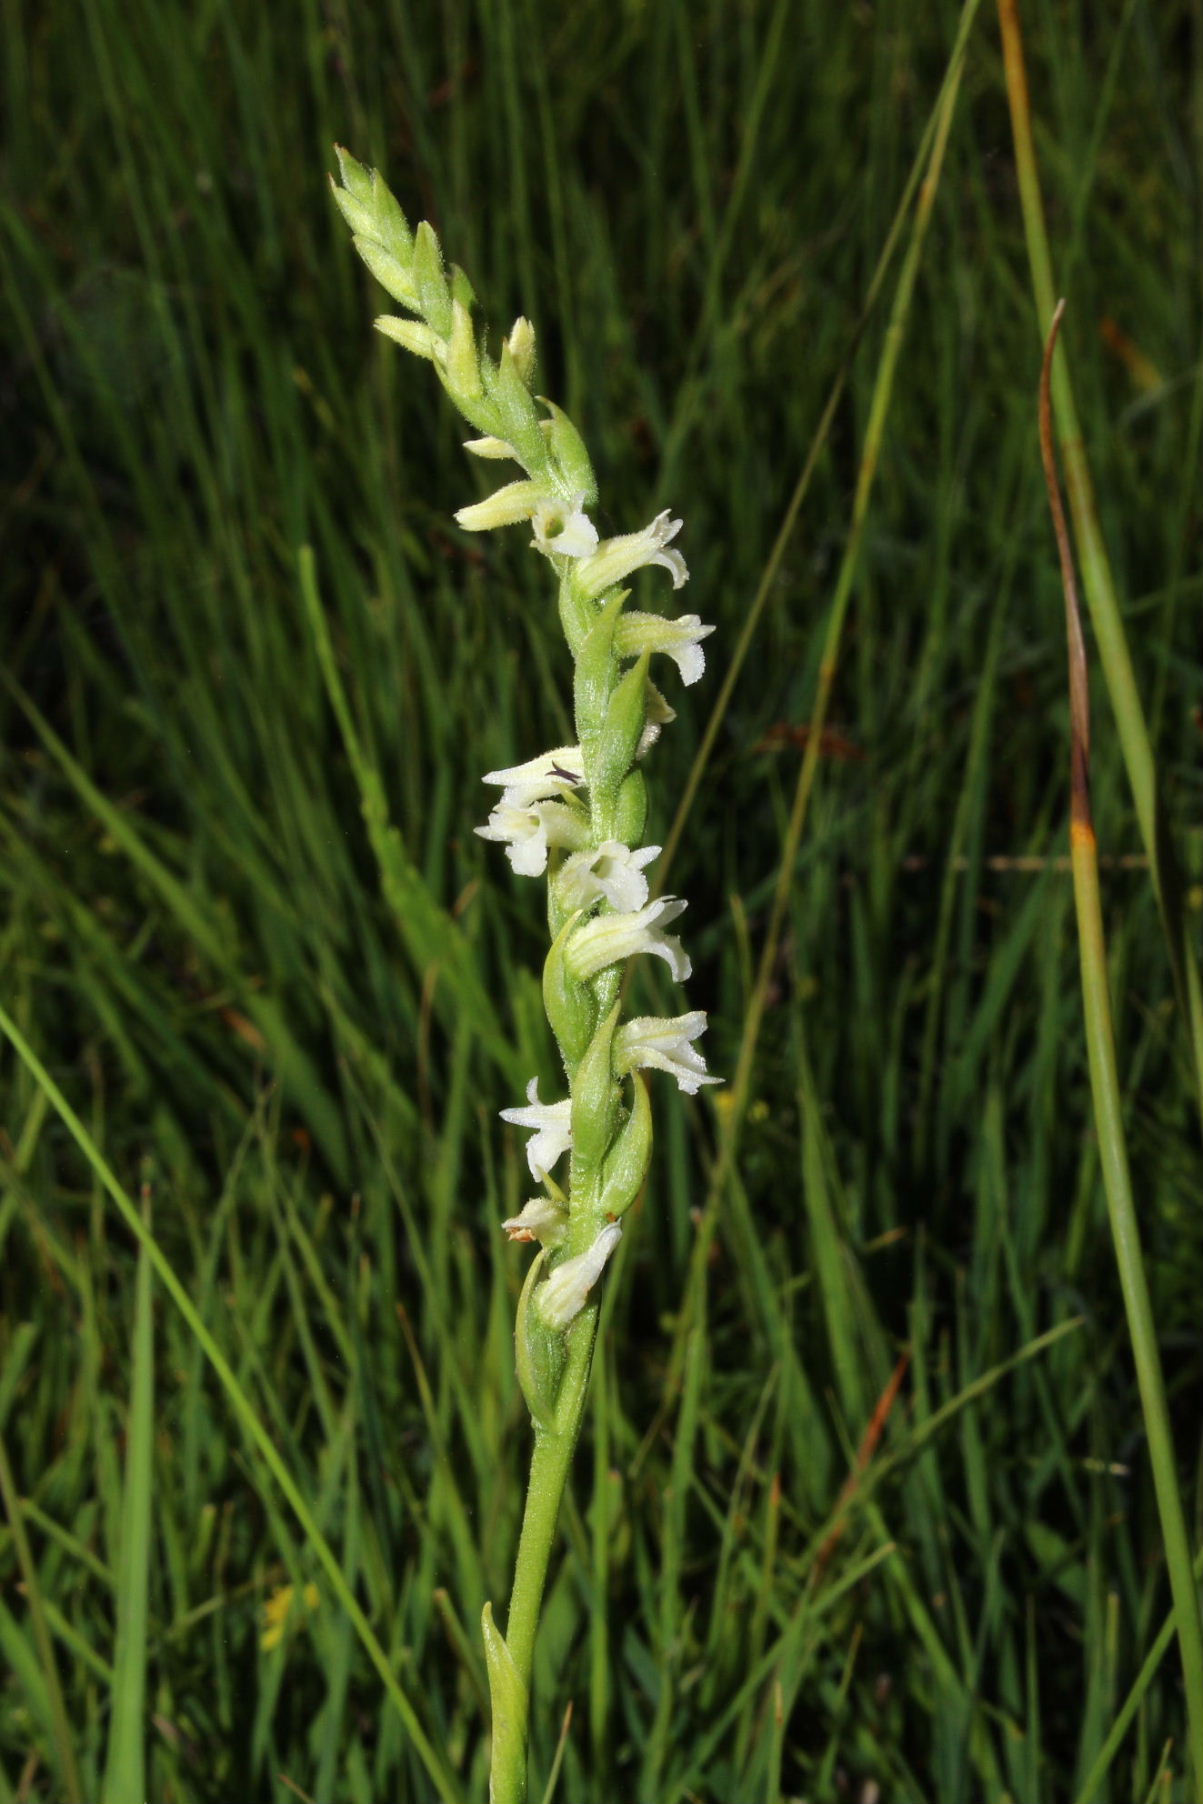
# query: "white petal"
{"type": "Point", "coordinates": [527, 833]}
{"type": "Point", "coordinates": [562, 531]}
{"type": "Point", "coordinates": [522, 833]}
{"type": "Point", "coordinates": [610, 871]}
{"type": "Point", "coordinates": [555, 773]}
{"type": "Point", "coordinates": [563, 1295]}
{"type": "Point", "coordinates": [615, 559]}
{"type": "Point", "coordinates": [608, 938]}
{"type": "Point", "coordinates": [666, 1045]}
{"type": "Point", "coordinates": [636, 633]}
{"type": "Point", "coordinates": [551, 1129]}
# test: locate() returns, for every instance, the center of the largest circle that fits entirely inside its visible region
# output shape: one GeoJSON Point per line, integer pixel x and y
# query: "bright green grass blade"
{"type": "Point", "coordinates": [125, 1764]}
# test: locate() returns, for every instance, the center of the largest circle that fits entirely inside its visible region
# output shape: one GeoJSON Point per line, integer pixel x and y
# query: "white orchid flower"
{"type": "Point", "coordinates": [615, 559]}
{"type": "Point", "coordinates": [636, 633]}
{"type": "Point", "coordinates": [608, 938]}
{"type": "Point", "coordinates": [554, 773]}
{"type": "Point", "coordinates": [550, 1124]}
{"type": "Point", "coordinates": [611, 872]}
{"type": "Point", "coordinates": [528, 833]}
{"type": "Point", "coordinates": [541, 1219]}
{"type": "Point", "coordinates": [564, 531]}
{"type": "Point", "coordinates": [564, 1294]}
{"type": "Point", "coordinates": [666, 1044]}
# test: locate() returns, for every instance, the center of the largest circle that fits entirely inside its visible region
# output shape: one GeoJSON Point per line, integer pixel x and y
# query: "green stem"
{"type": "Point", "coordinates": [550, 1464]}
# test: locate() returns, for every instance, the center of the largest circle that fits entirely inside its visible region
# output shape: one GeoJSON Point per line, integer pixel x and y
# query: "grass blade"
{"type": "Point", "coordinates": [1097, 579]}
{"type": "Point", "coordinates": [125, 1767]}
{"type": "Point", "coordinates": [1109, 1114]}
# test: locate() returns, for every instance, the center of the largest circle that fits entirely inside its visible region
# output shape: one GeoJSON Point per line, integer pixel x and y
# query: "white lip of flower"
{"type": "Point", "coordinates": [541, 1219]}
{"type": "Point", "coordinates": [564, 531]}
{"type": "Point", "coordinates": [563, 1295]}
{"type": "Point", "coordinates": [527, 833]}
{"type": "Point", "coordinates": [551, 1129]}
{"type": "Point", "coordinates": [504, 507]}
{"type": "Point", "coordinates": [666, 1044]}
{"type": "Point", "coordinates": [615, 559]}
{"type": "Point", "coordinates": [636, 633]}
{"type": "Point", "coordinates": [610, 870]}
{"type": "Point", "coordinates": [554, 773]}
{"type": "Point", "coordinates": [604, 941]}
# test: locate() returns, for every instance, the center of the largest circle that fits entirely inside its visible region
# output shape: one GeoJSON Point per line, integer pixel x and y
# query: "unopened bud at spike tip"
{"type": "Point", "coordinates": [521, 345]}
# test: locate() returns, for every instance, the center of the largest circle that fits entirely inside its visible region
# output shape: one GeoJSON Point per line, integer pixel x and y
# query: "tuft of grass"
{"type": "Point", "coordinates": [248, 933]}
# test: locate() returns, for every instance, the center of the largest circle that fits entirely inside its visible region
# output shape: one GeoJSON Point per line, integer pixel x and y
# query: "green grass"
{"type": "Point", "coordinates": [250, 935]}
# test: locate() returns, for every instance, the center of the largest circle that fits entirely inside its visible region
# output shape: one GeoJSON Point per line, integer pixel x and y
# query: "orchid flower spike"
{"type": "Point", "coordinates": [578, 814]}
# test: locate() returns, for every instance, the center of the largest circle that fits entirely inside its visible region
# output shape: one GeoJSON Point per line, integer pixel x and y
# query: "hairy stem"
{"type": "Point", "coordinates": [550, 1465]}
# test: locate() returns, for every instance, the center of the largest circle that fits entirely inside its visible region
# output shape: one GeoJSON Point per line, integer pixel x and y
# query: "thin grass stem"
{"type": "Point", "coordinates": [1109, 1113]}
{"type": "Point", "coordinates": [1097, 580]}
